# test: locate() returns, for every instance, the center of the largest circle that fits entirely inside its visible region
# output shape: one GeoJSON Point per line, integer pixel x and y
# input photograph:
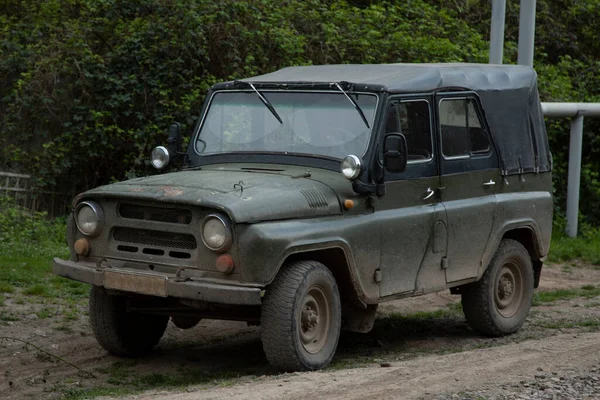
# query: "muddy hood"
{"type": "Point", "coordinates": [245, 196]}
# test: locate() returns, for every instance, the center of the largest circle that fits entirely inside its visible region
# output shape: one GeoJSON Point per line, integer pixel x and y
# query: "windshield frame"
{"type": "Point", "coordinates": [196, 134]}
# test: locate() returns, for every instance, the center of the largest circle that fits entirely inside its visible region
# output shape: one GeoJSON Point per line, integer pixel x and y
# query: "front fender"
{"type": "Point", "coordinates": [264, 247]}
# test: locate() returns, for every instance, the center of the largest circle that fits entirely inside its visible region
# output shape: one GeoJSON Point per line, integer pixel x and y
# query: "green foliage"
{"type": "Point", "coordinates": [20, 226]}
{"type": "Point", "coordinates": [89, 87]}
{"type": "Point", "coordinates": [28, 242]}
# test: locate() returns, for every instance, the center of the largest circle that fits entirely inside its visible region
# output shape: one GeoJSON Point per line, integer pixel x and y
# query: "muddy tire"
{"type": "Point", "coordinates": [499, 302]}
{"type": "Point", "coordinates": [301, 317]}
{"type": "Point", "coordinates": [120, 332]}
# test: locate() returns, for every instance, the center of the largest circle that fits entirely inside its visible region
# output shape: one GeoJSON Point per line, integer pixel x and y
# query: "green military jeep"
{"type": "Point", "coordinates": [309, 195]}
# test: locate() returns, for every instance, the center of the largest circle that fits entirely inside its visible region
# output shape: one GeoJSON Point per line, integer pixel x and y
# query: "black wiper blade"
{"type": "Point", "coordinates": [266, 102]}
{"type": "Point", "coordinates": [360, 111]}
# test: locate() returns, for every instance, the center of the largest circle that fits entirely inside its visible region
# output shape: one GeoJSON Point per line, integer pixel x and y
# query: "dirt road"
{"type": "Point", "coordinates": [422, 377]}
{"type": "Point", "coordinates": [431, 351]}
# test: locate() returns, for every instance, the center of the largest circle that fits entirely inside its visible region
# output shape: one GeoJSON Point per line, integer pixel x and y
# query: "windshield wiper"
{"type": "Point", "coordinates": [262, 98]}
{"type": "Point", "coordinates": [360, 111]}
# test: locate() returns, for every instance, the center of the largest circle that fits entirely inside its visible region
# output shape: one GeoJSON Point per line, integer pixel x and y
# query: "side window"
{"type": "Point", "coordinates": [412, 119]}
{"type": "Point", "coordinates": [461, 129]}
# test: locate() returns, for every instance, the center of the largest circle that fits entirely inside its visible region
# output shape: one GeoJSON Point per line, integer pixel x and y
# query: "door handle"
{"type": "Point", "coordinates": [429, 193]}
{"type": "Point", "coordinates": [490, 183]}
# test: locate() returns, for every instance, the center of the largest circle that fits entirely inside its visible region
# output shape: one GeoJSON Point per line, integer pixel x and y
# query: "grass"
{"type": "Point", "coordinates": [585, 247]}
{"type": "Point", "coordinates": [587, 291]}
{"type": "Point", "coordinates": [563, 324]}
{"type": "Point", "coordinates": [27, 268]}
{"type": "Point", "coordinates": [7, 317]}
{"type": "Point", "coordinates": [6, 288]}
{"type": "Point", "coordinates": [44, 313]}
{"type": "Point", "coordinates": [123, 381]}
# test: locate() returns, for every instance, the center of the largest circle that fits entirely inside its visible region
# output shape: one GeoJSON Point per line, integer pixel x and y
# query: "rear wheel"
{"type": "Point", "coordinates": [120, 332]}
{"type": "Point", "coordinates": [301, 317]}
{"type": "Point", "coordinates": [499, 302]}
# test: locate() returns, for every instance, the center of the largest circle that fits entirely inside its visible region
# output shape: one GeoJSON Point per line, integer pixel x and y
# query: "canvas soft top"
{"type": "Point", "coordinates": [508, 94]}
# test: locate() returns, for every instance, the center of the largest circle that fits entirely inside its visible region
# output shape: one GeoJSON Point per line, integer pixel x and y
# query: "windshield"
{"type": "Point", "coordinates": [317, 123]}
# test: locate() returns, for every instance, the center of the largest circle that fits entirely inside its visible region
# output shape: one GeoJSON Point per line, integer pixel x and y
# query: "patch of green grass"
{"type": "Point", "coordinates": [587, 291]}
{"type": "Point", "coordinates": [185, 377]}
{"type": "Point", "coordinates": [71, 316]}
{"type": "Point", "coordinates": [123, 380]}
{"type": "Point", "coordinates": [6, 288]}
{"type": "Point", "coordinates": [586, 323]}
{"type": "Point", "coordinates": [585, 247]}
{"type": "Point", "coordinates": [119, 373]}
{"type": "Point", "coordinates": [44, 313]}
{"type": "Point", "coordinates": [81, 394]}
{"type": "Point", "coordinates": [1, 301]}
{"type": "Point", "coordinates": [453, 310]}
{"type": "Point", "coordinates": [8, 317]}
{"type": "Point", "coordinates": [64, 328]}
{"type": "Point", "coordinates": [37, 290]}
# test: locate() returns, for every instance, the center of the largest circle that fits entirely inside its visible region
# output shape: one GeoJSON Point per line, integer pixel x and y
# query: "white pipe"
{"type": "Point", "coordinates": [561, 110]}
{"type": "Point", "coordinates": [497, 31]}
{"type": "Point", "coordinates": [526, 32]}
{"type": "Point", "coordinates": [574, 175]}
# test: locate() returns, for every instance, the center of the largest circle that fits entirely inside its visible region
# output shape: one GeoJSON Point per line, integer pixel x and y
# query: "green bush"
{"type": "Point", "coordinates": [88, 87]}
{"type": "Point", "coordinates": [23, 228]}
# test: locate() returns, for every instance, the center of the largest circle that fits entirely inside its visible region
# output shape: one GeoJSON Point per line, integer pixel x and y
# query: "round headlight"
{"type": "Point", "coordinates": [160, 157]}
{"type": "Point", "coordinates": [216, 233]}
{"type": "Point", "coordinates": [89, 218]}
{"type": "Point", "coordinates": [351, 167]}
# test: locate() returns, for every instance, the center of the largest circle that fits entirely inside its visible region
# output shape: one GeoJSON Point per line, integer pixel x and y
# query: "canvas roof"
{"type": "Point", "coordinates": [508, 94]}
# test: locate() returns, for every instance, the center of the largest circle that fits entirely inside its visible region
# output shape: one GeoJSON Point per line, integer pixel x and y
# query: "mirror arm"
{"type": "Point", "coordinates": [369, 188]}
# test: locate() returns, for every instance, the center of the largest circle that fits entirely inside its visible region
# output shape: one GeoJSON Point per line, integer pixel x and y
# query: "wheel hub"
{"type": "Point", "coordinates": [314, 320]}
{"type": "Point", "coordinates": [310, 318]}
{"type": "Point", "coordinates": [509, 289]}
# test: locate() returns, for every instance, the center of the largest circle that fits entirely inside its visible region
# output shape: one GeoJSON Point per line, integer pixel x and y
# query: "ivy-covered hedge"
{"type": "Point", "coordinates": [88, 87]}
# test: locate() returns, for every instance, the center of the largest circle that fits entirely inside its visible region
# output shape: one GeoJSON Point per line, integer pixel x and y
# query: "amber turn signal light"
{"type": "Point", "coordinates": [82, 247]}
{"type": "Point", "coordinates": [225, 264]}
{"type": "Point", "coordinates": [348, 204]}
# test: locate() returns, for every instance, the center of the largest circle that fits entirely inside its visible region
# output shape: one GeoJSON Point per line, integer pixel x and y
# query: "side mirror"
{"type": "Point", "coordinates": [161, 156]}
{"type": "Point", "coordinates": [394, 152]}
{"type": "Point", "coordinates": [174, 140]}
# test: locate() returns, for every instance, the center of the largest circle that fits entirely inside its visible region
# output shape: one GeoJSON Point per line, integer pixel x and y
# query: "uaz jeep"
{"type": "Point", "coordinates": [309, 195]}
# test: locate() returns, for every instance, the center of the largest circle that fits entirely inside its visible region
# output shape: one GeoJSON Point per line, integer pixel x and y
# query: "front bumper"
{"type": "Point", "coordinates": [208, 292]}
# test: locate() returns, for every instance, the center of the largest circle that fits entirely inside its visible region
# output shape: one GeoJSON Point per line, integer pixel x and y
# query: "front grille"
{"type": "Point", "coordinates": [155, 238]}
{"type": "Point", "coordinates": [149, 213]}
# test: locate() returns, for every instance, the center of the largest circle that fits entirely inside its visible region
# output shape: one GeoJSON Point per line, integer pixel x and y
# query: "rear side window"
{"type": "Point", "coordinates": [461, 129]}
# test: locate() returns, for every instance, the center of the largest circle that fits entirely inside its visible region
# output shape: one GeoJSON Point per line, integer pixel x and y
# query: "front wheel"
{"type": "Point", "coordinates": [499, 302]}
{"type": "Point", "coordinates": [120, 332]}
{"type": "Point", "coordinates": [301, 317]}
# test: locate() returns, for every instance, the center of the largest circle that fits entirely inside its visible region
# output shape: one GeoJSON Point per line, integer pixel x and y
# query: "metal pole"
{"type": "Point", "coordinates": [526, 32]}
{"type": "Point", "coordinates": [574, 175]}
{"type": "Point", "coordinates": [497, 31]}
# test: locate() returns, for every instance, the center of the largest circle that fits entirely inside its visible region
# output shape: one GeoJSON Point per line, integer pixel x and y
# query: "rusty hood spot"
{"type": "Point", "coordinates": [170, 192]}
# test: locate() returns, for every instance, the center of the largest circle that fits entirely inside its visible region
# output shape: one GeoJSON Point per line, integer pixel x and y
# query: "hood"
{"type": "Point", "coordinates": [246, 196]}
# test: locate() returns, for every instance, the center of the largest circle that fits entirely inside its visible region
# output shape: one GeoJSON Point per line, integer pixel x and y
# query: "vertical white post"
{"type": "Point", "coordinates": [574, 174]}
{"type": "Point", "coordinates": [526, 32]}
{"type": "Point", "coordinates": [497, 31]}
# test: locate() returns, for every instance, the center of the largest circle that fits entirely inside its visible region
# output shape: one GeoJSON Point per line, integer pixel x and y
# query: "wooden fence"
{"type": "Point", "coordinates": [20, 190]}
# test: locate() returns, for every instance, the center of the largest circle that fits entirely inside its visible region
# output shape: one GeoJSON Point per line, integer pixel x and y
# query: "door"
{"type": "Point", "coordinates": [469, 174]}
{"type": "Point", "coordinates": [409, 209]}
